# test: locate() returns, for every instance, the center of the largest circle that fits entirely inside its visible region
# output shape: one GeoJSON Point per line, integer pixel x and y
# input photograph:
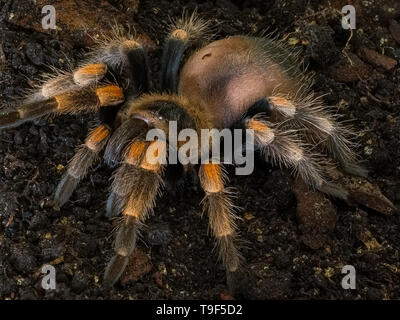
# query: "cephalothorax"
{"type": "Point", "coordinates": [245, 82]}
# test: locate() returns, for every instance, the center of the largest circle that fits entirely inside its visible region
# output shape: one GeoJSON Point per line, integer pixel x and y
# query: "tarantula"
{"type": "Point", "coordinates": [237, 82]}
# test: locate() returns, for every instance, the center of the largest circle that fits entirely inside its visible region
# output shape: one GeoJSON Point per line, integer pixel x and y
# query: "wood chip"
{"type": "Point", "coordinates": [349, 69]}
{"type": "Point", "coordinates": [249, 216]}
{"type": "Point", "coordinates": [158, 279]}
{"type": "Point", "coordinates": [376, 59]}
{"type": "Point", "coordinates": [369, 241]}
{"type": "Point", "coordinates": [363, 192]}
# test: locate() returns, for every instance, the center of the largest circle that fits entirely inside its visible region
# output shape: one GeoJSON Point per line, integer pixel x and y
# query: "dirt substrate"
{"type": "Point", "coordinates": [175, 259]}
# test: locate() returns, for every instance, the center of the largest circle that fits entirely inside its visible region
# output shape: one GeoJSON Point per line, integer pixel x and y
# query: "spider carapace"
{"type": "Point", "coordinates": [237, 82]}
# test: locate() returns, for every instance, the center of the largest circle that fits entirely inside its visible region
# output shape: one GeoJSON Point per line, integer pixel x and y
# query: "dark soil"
{"type": "Point", "coordinates": [175, 254]}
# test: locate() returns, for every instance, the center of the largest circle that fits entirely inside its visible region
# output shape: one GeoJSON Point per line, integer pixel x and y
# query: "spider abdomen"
{"type": "Point", "coordinates": [228, 76]}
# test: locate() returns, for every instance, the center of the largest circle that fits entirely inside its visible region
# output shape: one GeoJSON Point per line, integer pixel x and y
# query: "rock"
{"type": "Point", "coordinates": [39, 222]}
{"type": "Point", "coordinates": [225, 296]}
{"type": "Point", "coordinates": [139, 265]}
{"type": "Point", "coordinates": [315, 212]}
{"type": "Point", "coordinates": [159, 235]}
{"type": "Point", "coordinates": [266, 283]}
{"type": "Point", "coordinates": [314, 209]}
{"type": "Point", "coordinates": [28, 294]}
{"type": "Point", "coordinates": [6, 286]}
{"type": "Point", "coordinates": [11, 164]}
{"type": "Point", "coordinates": [394, 28]}
{"type": "Point", "coordinates": [361, 191]}
{"type": "Point", "coordinates": [2, 58]}
{"type": "Point", "coordinates": [86, 246]}
{"type": "Point", "coordinates": [282, 260]}
{"type": "Point", "coordinates": [390, 9]}
{"type": "Point", "coordinates": [313, 239]}
{"type": "Point", "coordinates": [81, 213]}
{"type": "Point", "coordinates": [321, 45]}
{"type": "Point", "coordinates": [8, 205]}
{"type": "Point", "coordinates": [349, 69]}
{"type": "Point", "coordinates": [23, 262]}
{"type": "Point", "coordinates": [376, 59]}
{"type": "Point", "coordinates": [49, 250]}
{"type": "Point", "coordinates": [34, 52]}
{"type": "Point", "coordinates": [79, 282]}
{"type": "Point", "coordinates": [130, 6]}
{"type": "Point", "coordinates": [278, 185]}
{"type": "Point", "coordinates": [370, 196]}
{"type": "Point", "coordinates": [374, 294]}
{"type": "Point", "coordinates": [158, 279]}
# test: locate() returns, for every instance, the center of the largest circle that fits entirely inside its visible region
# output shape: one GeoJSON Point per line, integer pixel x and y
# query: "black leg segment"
{"type": "Point", "coordinates": [172, 55]}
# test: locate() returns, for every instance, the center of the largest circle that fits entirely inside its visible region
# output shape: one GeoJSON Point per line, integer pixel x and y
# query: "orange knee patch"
{"type": "Point", "coordinates": [131, 210]}
{"type": "Point", "coordinates": [211, 177]}
{"type": "Point", "coordinates": [280, 101]}
{"type": "Point", "coordinates": [257, 125]}
{"type": "Point", "coordinates": [263, 134]}
{"type": "Point", "coordinates": [154, 154]}
{"type": "Point", "coordinates": [136, 152]}
{"type": "Point", "coordinates": [110, 95]}
{"type": "Point", "coordinates": [89, 73]}
{"type": "Point", "coordinates": [97, 136]}
{"type": "Point", "coordinates": [283, 104]}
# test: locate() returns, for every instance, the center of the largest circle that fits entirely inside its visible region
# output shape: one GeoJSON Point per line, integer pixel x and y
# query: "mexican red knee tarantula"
{"type": "Point", "coordinates": [239, 81]}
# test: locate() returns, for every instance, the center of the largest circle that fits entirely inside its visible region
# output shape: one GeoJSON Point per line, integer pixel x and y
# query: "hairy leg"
{"type": "Point", "coordinates": [183, 33]}
{"type": "Point", "coordinates": [217, 204]}
{"type": "Point", "coordinates": [81, 100]}
{"type": "Point", "coordinates": [319, 127]}
{"type": "Point", "coordinates": [121, 61]}
{"type": "Point", "coordinates": [136, 185]}
{"type": "Point", "coordinates": [77, 168]}
{"type": "Point", "coordinates": [130, 52]}
{"type": "Point", "coordinates": [284, 148]}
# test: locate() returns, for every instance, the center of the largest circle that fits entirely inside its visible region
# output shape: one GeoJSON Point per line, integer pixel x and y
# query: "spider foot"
{"type": "Point", "coordinates": [114, 270]}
